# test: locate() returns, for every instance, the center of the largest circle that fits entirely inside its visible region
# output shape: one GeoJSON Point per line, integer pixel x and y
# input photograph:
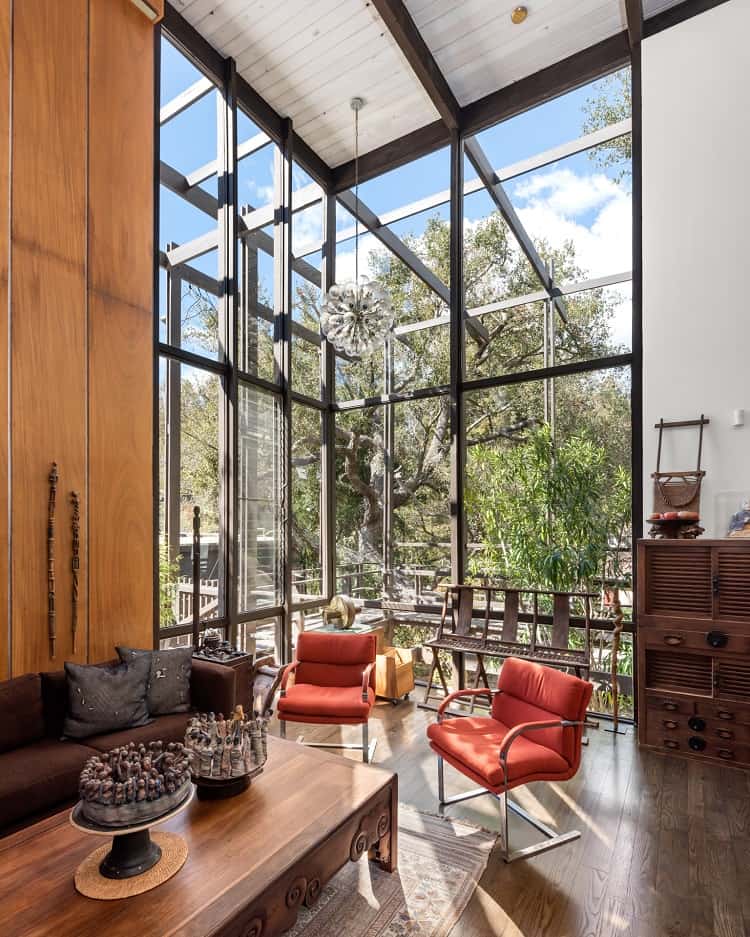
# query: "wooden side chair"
{"type": "Point", "coordinates": [334, 684]}
{"type": "Point", "coordinates": [533, 733]}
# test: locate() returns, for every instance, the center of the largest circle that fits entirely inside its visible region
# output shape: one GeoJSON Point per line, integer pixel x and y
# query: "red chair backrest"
{"type": "Point", "coordinates": [534, 693]}
{"type": "Point", "coordinates": [334, 659]}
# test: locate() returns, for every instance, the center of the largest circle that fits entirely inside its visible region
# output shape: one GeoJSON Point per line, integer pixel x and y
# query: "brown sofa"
{"type": "Point", "coordinates": [39, 769]}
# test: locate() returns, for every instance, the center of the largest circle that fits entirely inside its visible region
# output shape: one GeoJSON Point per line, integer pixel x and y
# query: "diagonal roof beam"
{"type": "Point", "coordinates": [405, 254]}
{"type": "Point", "coordinates": [185, 99]}
{"type": "Point", "coordinates": [407, 37]}
{"type": "Point", "coordinates": [174, 180]}
{"type": "Point", "coordinates": [394, 244]}
{"type": "Point", "coordinates": [245, 148]}
{"type": "Point", "coordinates": [499, 196]}
{"type": "Point", "coordinates": [634, 15]}
{"type": "Point", "coordinates": [211, 285]}
{"type": "Point", "coordinates": [539, 161]}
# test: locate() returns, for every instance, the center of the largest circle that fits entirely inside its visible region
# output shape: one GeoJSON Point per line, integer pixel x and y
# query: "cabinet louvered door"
{"type": "Point", "coordinates": [733, 680]}
{"type": "Point", "coordinates": [678, 581]}
{"type": "Point", "coordinates": [732, 594]}
{"type": "Point", "coordinates": [679, 673]}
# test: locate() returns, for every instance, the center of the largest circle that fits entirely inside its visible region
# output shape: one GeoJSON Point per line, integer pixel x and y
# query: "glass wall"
{"type": "Point", "coordinates": [507, 381]}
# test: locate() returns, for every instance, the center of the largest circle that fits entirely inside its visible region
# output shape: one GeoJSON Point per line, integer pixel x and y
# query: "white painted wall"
{"type": "Point", "coordinates": [696, 250]}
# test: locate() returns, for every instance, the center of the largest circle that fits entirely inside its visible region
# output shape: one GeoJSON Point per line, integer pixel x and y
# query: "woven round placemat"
{"type": "Point", "coordinates": [90, 882]}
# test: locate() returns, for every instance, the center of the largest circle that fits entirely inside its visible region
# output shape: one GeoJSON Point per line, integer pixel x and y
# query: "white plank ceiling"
{"type": "Point", "coordinates": [308, 57]}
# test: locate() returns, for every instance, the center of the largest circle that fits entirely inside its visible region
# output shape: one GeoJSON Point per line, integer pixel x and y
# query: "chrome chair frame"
{"type": "Point", "coordinates": [552, 838]}
{"type": "Point", "coordinates": [367, 747]}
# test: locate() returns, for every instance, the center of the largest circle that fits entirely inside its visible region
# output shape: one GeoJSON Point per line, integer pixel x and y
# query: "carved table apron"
{"type": "Point", "coordinates": [253, 859]}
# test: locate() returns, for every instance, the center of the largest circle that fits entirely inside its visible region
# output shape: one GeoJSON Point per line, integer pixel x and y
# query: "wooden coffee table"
{"type": "Point", "coordinates": [253, 859]}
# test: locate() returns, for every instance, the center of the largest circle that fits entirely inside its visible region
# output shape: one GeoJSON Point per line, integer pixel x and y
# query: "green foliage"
{"type": "Point", "coordinates": [168, 573]}
{"type": "Point", "coordinates": [612, 103]}
{"type": "Point", "coordinates": [545, 509]}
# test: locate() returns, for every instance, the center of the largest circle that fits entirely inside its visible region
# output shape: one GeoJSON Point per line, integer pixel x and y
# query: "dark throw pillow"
{"type": "Point", "coordinates": [169, 679]}
{"type": "Point", "coordinates": [104, 699]}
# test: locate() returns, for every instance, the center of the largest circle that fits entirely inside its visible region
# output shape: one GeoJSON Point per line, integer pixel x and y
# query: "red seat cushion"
{"type": "Point", "coordinates": [473, 743]}
{"type": "Point", "coordinates": [325, 704]}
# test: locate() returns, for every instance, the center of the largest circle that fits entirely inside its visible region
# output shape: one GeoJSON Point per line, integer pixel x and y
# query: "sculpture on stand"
{"type": "Point", "coordinates": [226, 754]}
{"type": "Point", "coordinates": [677, 495]}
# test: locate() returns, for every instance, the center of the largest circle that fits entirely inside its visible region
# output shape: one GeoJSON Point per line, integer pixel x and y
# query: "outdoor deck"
{"type": "Point", "coordinates": [665, 848]}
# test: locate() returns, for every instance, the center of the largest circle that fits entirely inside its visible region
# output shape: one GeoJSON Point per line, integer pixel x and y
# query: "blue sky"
{"type": "Point", "coordinates": [572, 199]}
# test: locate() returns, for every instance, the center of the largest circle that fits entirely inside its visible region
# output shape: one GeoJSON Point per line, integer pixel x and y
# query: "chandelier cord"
{"type": "Point", "coordinates": [356, 197]}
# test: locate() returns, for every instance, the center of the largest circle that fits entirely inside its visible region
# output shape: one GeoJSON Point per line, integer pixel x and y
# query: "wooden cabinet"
{"type": "Point", "coordinates": [694, 648]}
{"type": "Point", "coordinates": [76, 325]}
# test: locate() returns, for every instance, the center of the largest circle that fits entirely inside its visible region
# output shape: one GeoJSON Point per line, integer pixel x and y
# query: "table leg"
{"type": "Point", "coordinates": [385, 850]}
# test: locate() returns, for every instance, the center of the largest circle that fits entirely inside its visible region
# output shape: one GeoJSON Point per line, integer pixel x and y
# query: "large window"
{"type": "Point", "coordinates": [489, 438]}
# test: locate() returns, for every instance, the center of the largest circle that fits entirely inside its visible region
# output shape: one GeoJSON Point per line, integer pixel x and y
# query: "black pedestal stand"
{"type": "Point", "coordinates": [131, 854]}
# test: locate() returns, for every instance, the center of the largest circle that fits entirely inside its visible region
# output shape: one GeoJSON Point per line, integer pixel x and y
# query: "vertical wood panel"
{"type": "Point", "coordinates": [4, 237]}
{"type": "Point", "coordinates": [48, 318]}
{"type": "Point", "coordinates": [121, 167]}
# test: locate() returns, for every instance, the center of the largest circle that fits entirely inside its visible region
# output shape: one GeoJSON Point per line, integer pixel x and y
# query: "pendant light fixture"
{"type": "Point", "coordinates": [356, 315]}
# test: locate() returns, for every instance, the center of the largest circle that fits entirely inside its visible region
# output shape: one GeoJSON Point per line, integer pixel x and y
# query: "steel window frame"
{"type": "Point", "coordinates": [246, 222]}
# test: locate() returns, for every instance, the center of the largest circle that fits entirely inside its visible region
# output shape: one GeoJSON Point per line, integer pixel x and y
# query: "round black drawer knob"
{"type": "Point", "coordinates": [717, 639]}
{"type": "Point", "coordinates": [697, 724]}
{"type": "Point", "coordinates": [696, 743]}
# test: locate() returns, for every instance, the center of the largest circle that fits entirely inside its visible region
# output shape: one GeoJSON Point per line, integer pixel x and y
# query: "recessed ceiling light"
{"type": "Point", "coordinates": [519, 14]}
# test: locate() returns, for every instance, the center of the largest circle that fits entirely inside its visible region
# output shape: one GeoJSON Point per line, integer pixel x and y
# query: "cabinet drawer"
{"type": "Point", "coordinates": [675, 725]}
{"type": "Point", "coordinates": [669, 706]}
{"type": "Point", "coordinates": [723, 712]}
{"type": "Point", "coordinates": [713, 641]}
{"type": "Point", "coordinates": [728, 750]}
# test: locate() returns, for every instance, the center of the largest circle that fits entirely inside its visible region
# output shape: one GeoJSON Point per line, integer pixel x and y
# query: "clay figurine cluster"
{"type": "Point", "coordinates": [134, 784]}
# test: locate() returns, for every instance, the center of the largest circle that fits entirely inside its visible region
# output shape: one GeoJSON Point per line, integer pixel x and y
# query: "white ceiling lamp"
{"type": "Point", "coordinates": [356, 315]}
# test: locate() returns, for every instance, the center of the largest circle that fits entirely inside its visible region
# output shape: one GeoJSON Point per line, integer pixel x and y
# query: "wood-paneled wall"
{"type": "Point", "coordinates": [76, 364]}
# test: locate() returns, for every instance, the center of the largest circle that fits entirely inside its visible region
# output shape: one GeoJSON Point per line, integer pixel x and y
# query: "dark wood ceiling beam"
{"type": "Point", "coordinates": [565, 75]}
{"type": "Point", "coordinates": [522, 95]}
{"type": "Point", "coordinates": [392, 155]}
{"type": "Point", "coordinates": [409, 40]}
{"type": "Point", "coordinates": [499, 196]}
{"type": "Point", "coordinates": [634, 16]}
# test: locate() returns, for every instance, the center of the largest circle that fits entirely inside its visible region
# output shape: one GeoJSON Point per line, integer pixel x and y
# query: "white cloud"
{"type": "Point", "coordinates": [567, 192]}
{"type": "Point", "coordinates": [551, 205]}
{"type": "Point", "coordinates": [345, 258]}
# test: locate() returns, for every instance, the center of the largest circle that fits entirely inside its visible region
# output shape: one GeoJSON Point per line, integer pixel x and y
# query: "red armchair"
{"type": "Point", "coordinates": [533, 734]}
{"type": "Point", "coordinates": [334, 684]}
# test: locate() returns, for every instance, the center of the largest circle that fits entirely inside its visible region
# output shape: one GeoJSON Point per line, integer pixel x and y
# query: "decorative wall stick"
{"type": "Point", "coordinates": [75, 561]}
{"type": "Point", "coordinates": [51, 504]}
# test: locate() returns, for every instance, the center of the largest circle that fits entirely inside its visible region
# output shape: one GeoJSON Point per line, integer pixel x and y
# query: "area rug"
{"type": "Point", "coordinates": [440, 862]}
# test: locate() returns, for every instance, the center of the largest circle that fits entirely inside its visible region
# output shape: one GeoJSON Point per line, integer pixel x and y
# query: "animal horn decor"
{"type": "Point", "coordinates": [51, 505]}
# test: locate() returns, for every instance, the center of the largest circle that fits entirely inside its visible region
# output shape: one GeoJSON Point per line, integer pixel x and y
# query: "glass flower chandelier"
{"type": "Point", "coordinates": [357, 315]}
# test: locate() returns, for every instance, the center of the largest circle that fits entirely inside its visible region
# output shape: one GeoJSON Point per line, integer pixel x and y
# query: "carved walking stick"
{"type": "Point", "coordinates": [196, 576]}
{"type": "Point", "coordinates": [51, 618]}
{"type": "Point", "coordinates": [75, 561]}
{"type": "Point", "coordinates": [616, 632]}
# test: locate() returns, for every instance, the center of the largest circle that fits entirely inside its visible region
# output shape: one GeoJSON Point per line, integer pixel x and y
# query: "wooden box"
{"type": "Point", "coordinates": [394, 673]}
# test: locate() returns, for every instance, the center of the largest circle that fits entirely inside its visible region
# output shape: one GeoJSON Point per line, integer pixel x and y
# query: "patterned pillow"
{"type": "Point", "coordinates": [169, 679]}
{"type": "Point", "coordinates": [104, 699]}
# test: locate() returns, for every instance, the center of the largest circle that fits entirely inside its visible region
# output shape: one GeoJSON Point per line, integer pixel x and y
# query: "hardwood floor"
{"type": "Point", "coordinates": [664, 851]}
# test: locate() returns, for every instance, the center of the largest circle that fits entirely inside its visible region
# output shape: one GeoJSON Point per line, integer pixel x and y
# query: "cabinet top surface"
{"type": "Point", "coordinates": [741, 542]}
